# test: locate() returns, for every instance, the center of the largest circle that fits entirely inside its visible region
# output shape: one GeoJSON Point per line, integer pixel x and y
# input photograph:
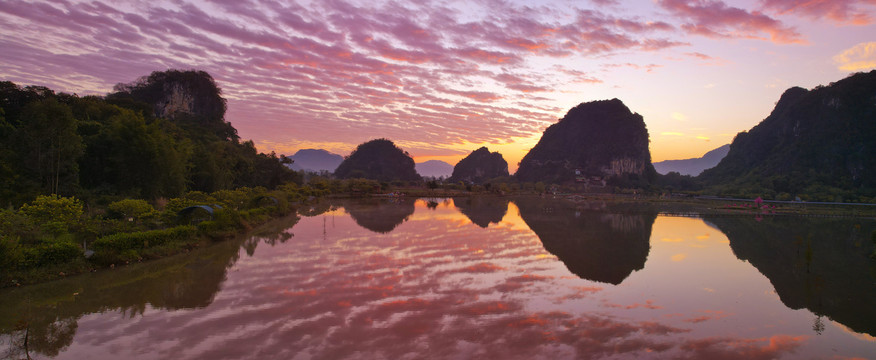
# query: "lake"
{"type": "Point", "coordinates": [497, 278]}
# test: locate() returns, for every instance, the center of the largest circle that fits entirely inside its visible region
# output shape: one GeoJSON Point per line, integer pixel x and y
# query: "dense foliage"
{"type": "Point", "coordinates": [378, 160]}
{"type": "Point", "coordinates": [54, 232]}
{"type": "Point", "coordinates": [128, 144]}
{"type": "Point", "coordinates": [818, 145]}
{"type": "Point", "coordinates": [479, 166]}
{"type": "Point", "coordinates": [600, 138]}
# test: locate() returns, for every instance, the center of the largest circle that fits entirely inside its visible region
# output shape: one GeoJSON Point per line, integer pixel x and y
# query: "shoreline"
{"type": "Point", "coordinates": [681, 207]}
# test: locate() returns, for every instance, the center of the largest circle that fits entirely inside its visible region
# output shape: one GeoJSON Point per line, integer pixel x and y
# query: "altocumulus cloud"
{"type": "Point", "coordinates": [430, 74]}
{"type": "Point", "coordinates": [859, 57]}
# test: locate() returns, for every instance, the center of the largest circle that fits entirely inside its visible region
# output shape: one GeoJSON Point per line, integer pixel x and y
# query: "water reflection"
{"type": "Point", "coordinates": [347, 285]}
{"type": "Point", "coordinates": [483, 211]}
{"type": "Point", "coordinates": [604, 246]}
{"type": "Point", "coordinates": [818, 264]}
{"type": "Point", "coordinates": [49, 313]}
{"type": "Point", "coordinates": [380, 215]}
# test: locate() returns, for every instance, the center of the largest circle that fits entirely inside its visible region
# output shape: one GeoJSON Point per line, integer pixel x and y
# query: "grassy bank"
{"type": "Point", "coordinates": [54, 237]}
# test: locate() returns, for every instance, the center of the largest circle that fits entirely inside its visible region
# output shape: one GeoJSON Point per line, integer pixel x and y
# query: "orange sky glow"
{"type": "Point", "coordinates": [442, 78]}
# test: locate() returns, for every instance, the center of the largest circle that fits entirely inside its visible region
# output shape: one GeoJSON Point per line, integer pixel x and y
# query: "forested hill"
{"type": "Point", "coordinates": [380, 160]}
{"type": "Point", "coordinates": [601, 139]}
{"type": "Point", "coordinates": [818, 142]}
{"type": "Point", "coordinates": [156, 137]}
{"type": "Point", "coordinates": [480, 166]}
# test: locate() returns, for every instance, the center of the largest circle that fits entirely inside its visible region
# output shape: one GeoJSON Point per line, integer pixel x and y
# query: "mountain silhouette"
{"type": "Point", "coordinates": [315, 160]}
{"type": "Point", "coordinates": [434, 168]}
{"type": "Point", "coordinates": [819, 141]}
{"type": "Point", "coordinates": [693, 166]}
{"type": "Point", "coordinates": [378, 160]}
{"type": "Point", "coordinates": [480, 166]}
{"type": "Point", "coordinates": [601, 139]}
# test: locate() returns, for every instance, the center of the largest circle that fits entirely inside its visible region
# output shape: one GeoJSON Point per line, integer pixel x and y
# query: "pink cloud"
{"type": "Point", "coordinates": [855, 12]}
{"type": "Point", "coordinates": [291, 72]}
{"type": "Point", "coordinates": [714, 18]}
{"type": "Point", "coordinates": [732, 348]}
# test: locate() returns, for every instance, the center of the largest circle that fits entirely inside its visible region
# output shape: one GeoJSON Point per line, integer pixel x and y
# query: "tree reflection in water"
{"type": "Point", "coordinates": [358, 286]}
{"type": "Point", "coordinates": [47, 314]}
{"type": "Point", "coordinates": [814, 263]}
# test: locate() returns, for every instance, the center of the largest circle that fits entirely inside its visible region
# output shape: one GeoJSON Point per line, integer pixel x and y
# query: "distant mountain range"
{"type": "Point", "coordinates": [315, 160]}
{"type": "Point", "coordinates": [434, 168]}
{"type": "Point", "coordinates": [693, 166]}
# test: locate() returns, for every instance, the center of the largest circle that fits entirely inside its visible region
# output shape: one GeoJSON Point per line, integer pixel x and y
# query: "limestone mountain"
{"type": "Point", "coordinates": [601, 139]}
{"type": "Point", "coordinates": [191, 98]}
{"type": "Point", "coordinates": [693, 166]}
{"type": "Point", "coordinates": [378, 160]}
{"type": "Point", "coordinates": [175, 92]}
{"type": "Point", "coordinates": [434, 168]}
{"type": "Point", "coordinates": [819, 142]}
{"type": "Point", "coordinates": [315, 160]}
{"type": "Point", "coordinates": [480, 166]}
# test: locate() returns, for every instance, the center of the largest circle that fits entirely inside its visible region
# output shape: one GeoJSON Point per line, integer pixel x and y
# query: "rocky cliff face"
{"type": "Point", "coordinates": [480, 166]}
{"type": "Point", "coordinates": [600, 139]}
{"type": "Point", "coordinates": [378, 160]}
{"type": "Point", "coordinates": [175, 93]}
{"type": "Point", "coordinates": [178, 99]}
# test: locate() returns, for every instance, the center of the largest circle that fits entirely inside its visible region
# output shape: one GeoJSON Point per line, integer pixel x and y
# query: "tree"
{"type": "Point", "coordinates": [52, 146]}
{"type": "Point", "coordinates": [128, 156]}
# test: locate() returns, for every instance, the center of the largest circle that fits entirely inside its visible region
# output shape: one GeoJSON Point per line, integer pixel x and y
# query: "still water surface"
{"type": "Point", "coordinates": [492, 278]}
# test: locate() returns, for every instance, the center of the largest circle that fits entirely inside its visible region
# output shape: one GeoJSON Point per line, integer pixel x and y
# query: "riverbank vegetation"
{"type": "Point", "coordinates": [56, 236]}
{"type": "Point", "coordinates": [91, 181]}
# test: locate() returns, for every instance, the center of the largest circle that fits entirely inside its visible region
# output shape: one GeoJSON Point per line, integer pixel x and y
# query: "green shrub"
{"type": "Point", "coordinates": [49, 253]}
{"type": "Point", "coordinates": [53, 208]}
{"type": "Point", "coordinates": [10, 253]}
{"type": "Point", "coordinates": [259, 215]}
{"type": "Point", "coordinates": [138, 240]}
{"type": "Point", "coordinates": [235, 199]}
{"type": "Point", "coordinates": [225, 223]}
{"type": "Point", "coordinates": [134, 209]}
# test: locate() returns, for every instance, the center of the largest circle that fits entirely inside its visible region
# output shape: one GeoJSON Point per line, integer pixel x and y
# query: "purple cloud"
{"type": "Point", "coordinates": [855, 12]}
{"type": "Point", "coordinates": [714, 18]}
{"type": "Point", "coordinates": [342, 72]}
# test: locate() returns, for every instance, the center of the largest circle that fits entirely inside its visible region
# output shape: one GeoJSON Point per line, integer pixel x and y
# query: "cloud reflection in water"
{"type": "Point", "coordinates": [442, 286]}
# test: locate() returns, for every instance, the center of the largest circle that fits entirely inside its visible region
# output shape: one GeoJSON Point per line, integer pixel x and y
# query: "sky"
{"type": "Point", "coordinates": [442, 78]}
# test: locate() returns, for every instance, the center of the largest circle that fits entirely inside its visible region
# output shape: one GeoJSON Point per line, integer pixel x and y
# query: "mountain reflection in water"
{"type": "Point", "coordinates": [483, 211]}
{"type": "Point", "coordinates": [599, 245]}
{"type": "Point", "coordinates": [380, 215]}
{"type": "Point", "coordinates": [401, 278]}
{"type": "Point", "coordinates": [818, 264]}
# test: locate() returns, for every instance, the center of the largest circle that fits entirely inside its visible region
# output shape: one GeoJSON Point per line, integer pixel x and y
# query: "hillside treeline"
{"type": "Point", "coordinates": [159, 136]}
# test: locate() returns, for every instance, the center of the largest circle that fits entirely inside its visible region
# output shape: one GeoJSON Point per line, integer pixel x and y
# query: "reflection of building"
{"type": "Point", "coordinates": [604, 246]}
